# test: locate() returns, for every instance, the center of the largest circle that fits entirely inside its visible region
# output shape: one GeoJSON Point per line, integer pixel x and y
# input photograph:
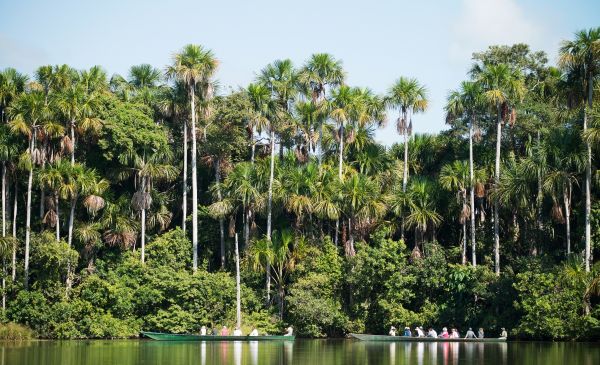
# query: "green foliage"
{"type": "Point", "coordinates": [551, 305]}
{"type": "Point", "coordinates": [14, 332]}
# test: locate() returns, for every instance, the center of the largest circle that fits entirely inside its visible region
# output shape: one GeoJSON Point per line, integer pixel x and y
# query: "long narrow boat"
{"type": "Point", "coordinates": [160, 336]}
{"type": "Point", "coordinates": [384, 338]}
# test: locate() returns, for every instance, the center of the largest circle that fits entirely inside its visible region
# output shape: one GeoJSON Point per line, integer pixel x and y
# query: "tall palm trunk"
{"type": "Point", "coordinates": [28, 218]}
{"type": "Point", "coordinates": [253, 144]}
{"type": "Point", "coordinates": [185, 163]}
{"type": "Point", "coordinates": [42, 195]}
{"type": "Point", "coordinates": [143, 235]}
{"type": "Point", "coordinates": [464, 245]}
{"type": "Point", "coordinates": [73, 142]}
{"type": "Point", "coordinates": [567, 202]}
{"type": "Point", "coordinates": [588, 181]}
{"type": "Point", "coordinates": [221, 222]}
{"type": "Point", "coordinates": [3, 234]}
{"type": "Point", "coordinates": [3, 199]}
{"type": "Point", "coordinates": [57, 217]}
{"type": "Point", "coordinates": [194, 185]}
{"type": "Point", "coordinates": [269, 211]}
{"type": "Point", "coordinates": [539, 200]}
{"type": "Point", "coordinates": [404, 168]}
{"type": "Point", "coordinates": [472, 196]}
{"type": "Point", "coordinates": [69, 281]}
{"type": "Point", "coordinates": [341, 152]}
{"type": "Point", "coordinates": [14, 233]}
{"type": "Point", "coordinates": [496, 182]}
{"type": "Point", "coordinates": [238, 302]}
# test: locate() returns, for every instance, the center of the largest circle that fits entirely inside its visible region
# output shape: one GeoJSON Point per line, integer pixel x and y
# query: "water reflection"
{"type": "Point", "coordinates": [300, 352]}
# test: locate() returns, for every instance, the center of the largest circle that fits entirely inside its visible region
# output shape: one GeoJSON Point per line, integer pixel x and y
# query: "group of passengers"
{"type": "Point", "coordinates": [431, 333]}
{"type": "Point", "coordinates": [236, 332]}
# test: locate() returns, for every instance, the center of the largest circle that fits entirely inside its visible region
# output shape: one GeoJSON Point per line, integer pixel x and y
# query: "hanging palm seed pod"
{"type": "Point", "coordinates": [49, 203]}
{"type": "Point", "coordinates": [477, 134]}
{"type": "Point", "coordinates": [415, 255]}
{"type": "Point", "coordinates": [513, 117]}
{"type": "Point", "coordinates": [465, 213]}
{"type": "Point", "coordinates": [50, 218]}
{"type": "Point", "coordinates": [141, 200]}
{"type": "Point", "coordinates": [504, 111]}
{"type": "Point", "coordinates": [66, 145]}
{"type": "Point", "coordinates": [231, 228]}
{"type": "Point", "coordinates": [351, 136]}
{"type": "Point", "coordinates": [253, 226]}
{"type": "Point", "coordinates": [557, 213]}
{"type": "Point", "coordinates": [401, 125]}
{"type": "Point", "coordinates": [479, 190]}
{"type": "Point", "coordinates": [93, 203]}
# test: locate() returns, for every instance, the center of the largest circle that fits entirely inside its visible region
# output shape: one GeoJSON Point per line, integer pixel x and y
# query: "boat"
{"type": "Point", "coordinates": [161, 336]}
{"type": "Point", "coordinates": [385, 338]}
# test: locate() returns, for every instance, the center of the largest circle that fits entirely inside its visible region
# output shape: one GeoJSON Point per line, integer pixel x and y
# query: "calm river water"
{"type": "Point", "coordinates": [301, 352]}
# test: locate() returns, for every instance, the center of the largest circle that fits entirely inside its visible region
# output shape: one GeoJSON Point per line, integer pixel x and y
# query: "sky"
{"type": "Point", "coordinates": [377, 41]}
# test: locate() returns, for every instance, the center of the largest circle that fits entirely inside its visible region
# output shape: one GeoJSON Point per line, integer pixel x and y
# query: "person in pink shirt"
{"type": "Point", "coordinates": [444, 333]}
{"type": "Point", "coordinates": [224, 331]}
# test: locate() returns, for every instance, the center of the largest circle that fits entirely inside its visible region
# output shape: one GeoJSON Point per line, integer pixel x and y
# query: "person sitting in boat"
{"type": "Point", "coordinates": [432, 333]}
{"type": "Point", "coordinates": [254, 332]}
{"type": "Point", "coordinates": [203, 331]}
{"type": "Point", "coordinates": [470, 333]}
{"type": "Point", "coordinates": [237, 331]}
{"type": "Point", "coordinates": [419, 332]}
{"type": "Point", "coordinates": [224, 331]}
{"type": "Point", "coordinates": [392, 331]}
{"type": "Point", "coordinates": [503, 334]}
{"type": "Point", "coordinates": [480, 333]}
{"type": "Point", "coordinates": [454, 333]}
{"type": "Point", "coordinates": [407, 332]}
{"type": "Point", "coordinates": [289, 331]}
{"type": "Point", "coordinates": [444, 333]}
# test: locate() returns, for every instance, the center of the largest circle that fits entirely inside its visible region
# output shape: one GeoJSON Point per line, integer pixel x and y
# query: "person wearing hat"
{"type": "Point", "coordinates": [407, 332]}
{"type": "Point", "coordinates": [392, 331]}
{"type": "Point", "coordinates": [480, 334]}
{"type": "Point", "coordinates": [470, 333]}
{"type": "Point", "coordinates": [503, 334]}
{"type": "Point", "coordinates": [419, 331]}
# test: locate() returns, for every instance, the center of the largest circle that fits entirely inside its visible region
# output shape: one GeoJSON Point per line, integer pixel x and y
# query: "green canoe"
{"type": "Point", "coordinates": [160, 336]}
{"type": "Point", "coordinates": [384, 338]}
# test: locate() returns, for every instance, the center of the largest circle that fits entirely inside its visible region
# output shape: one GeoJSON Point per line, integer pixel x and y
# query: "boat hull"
{"type": "Point", "coordinates": [382, 338]}
{"type": "Point", "coordinates": [160, 336]}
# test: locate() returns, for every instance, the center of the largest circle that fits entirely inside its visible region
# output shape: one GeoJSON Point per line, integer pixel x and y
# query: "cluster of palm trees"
{"type": "Point", "coordinates": [297, 145]}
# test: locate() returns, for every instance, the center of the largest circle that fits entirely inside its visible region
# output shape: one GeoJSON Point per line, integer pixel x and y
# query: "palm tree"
{"type": "Point", "coordinates": [53, 178]}
{"type": "Point", "coordinates": [12, 83]}
{"type": "Point", "coordinates": [362, 202]}
{"type": "Point", "coordinates": [567, 160]}
{"type": "Point", "coordinates": [456, 177]}
{"type": "Point", "coordinates": [581, 58]}
{"type": "Point", "coordinates": [78, 181]}
{"type": "Point", "coordinates": [79, 109]}
{"type": "Point", "coordinates": [409, 97]}
{"type": "Point", "coordinates": [28, 112]}
{"type": "Point", "coordinates": [278, 258]}
{"type": "Point", "coordinates": [464, 103]}
{"type": "Point", "coordinates": [502, 87]}
{"type": "Point", "coordinates": [147, 169]}
{"type": "Point", "coordinates": [193, 65]}
{"type": "Point", "coordinates": [320, 72]}
{"type": "Point", "coordinates": [423, 214]}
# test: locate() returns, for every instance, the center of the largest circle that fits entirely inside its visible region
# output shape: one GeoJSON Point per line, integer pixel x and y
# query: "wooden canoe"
{"type": "Point", "coordinates": [160, 336]}
{"type": "Point", "coordinates": [383, 338]}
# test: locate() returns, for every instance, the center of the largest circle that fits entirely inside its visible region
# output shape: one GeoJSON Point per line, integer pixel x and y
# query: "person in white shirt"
{"type": "Point", "coordinates": [392, 331]}
{"type": "Point", "coordinates": [237, 331]}
{"type": "Point", "coordinates": [203, 331]}
{"type": "Point", "coordinates": [432, 333]}
{"type": "Point", "coordinates": [254, 332]}
{"type": "Point", "coordinates": [454, 333]}
{"type": "Point", "coordinates": [290, 331]}
{"type": "Point", "coordinates": [419, 332]}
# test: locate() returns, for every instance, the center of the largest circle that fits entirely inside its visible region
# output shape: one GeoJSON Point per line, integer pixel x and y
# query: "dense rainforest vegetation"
{"type": "Point", "coordinates": [122, 198]}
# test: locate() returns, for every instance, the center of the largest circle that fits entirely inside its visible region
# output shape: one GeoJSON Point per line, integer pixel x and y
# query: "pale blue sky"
{"type": "Point", "coordinates": [378, 41]}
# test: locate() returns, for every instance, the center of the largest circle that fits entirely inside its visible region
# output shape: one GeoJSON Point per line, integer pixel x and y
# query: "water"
{"type": "Point", "coordinates": [301, 352]}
